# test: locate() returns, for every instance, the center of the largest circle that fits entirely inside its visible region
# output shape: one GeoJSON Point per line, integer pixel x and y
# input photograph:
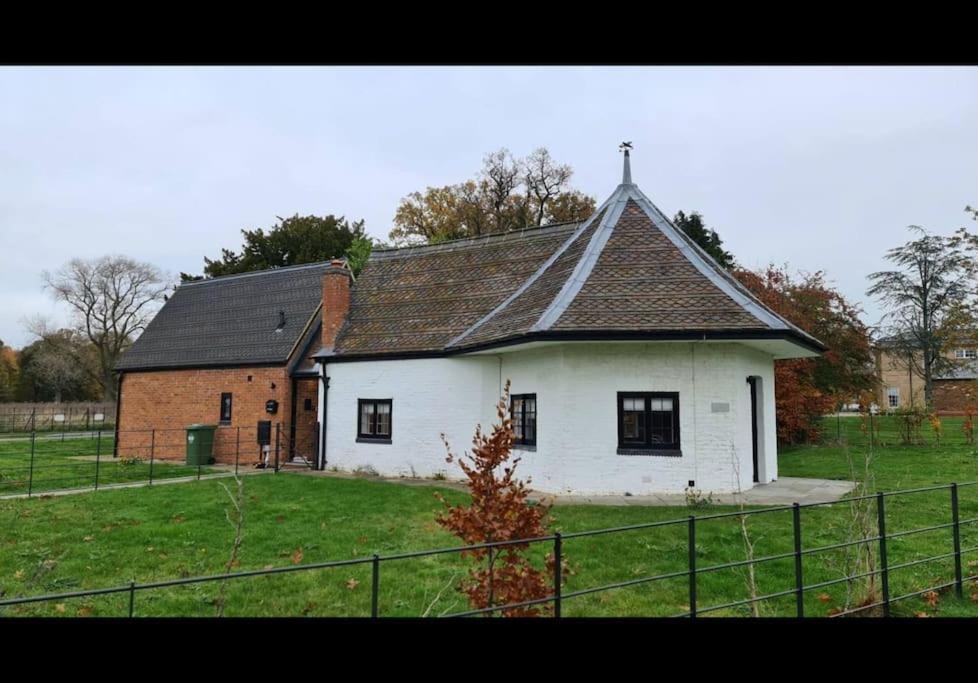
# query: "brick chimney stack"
{"type": "Point", "coordinates": [336, 300]}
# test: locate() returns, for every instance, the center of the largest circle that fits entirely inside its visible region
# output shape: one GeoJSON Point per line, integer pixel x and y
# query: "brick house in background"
{"type": "Point", "coordinates": [637, 363]}
{"type": "Point", "coordinates": [901, 387]}
{"type": "Point", "coordinates": [230, 351]}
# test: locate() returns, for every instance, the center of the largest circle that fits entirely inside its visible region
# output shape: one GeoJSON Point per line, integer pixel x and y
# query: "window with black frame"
{"type": "Point", "coordinates": [648, 422]}
{"type": "Point", "coordinates": [226, 408]}
{"type": "Point", "coordinates": [374, 420]}
{"type": "Point", "coordinates": [523, 411]}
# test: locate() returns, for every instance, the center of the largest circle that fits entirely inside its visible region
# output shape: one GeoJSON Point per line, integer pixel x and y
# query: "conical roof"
{"type": "Point", "coordinates": [625, 273]}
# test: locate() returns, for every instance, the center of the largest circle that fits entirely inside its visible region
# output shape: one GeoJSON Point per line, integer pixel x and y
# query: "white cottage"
{"type": "Point", "coordinates": [637, 363]}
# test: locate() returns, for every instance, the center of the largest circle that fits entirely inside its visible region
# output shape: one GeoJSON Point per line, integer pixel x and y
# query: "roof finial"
{"type": "Point", "coordinates": [626, 178]}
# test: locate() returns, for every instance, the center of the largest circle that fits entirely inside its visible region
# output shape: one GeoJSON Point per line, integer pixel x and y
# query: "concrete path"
{"type": "Point", "coordinates": [784, 491]}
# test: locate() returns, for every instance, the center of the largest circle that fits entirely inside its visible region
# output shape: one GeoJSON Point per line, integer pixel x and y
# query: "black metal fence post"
{"type": "Point", "coordinates": [237, 451]}
{"type": "Point", "coordinates": [98, 456]}
{"type": "Point", "coordinates": [132, 597]}
{"type": "Point", "coordinates": [152, 454]}
{"type": "Point", "coordinates": [692, 565]}
{"type": "Point", "coordinates": [956, 522]}
{"type": "Point", "coordinates": [278, 442]}
{"type": "Point", "coordinates": [558, 572]}
{"type": "Point", "coordinates": [884, 568]}
{"type": "Point", "coordinates": [799, 580]}
{"type": "Point", "coordinates": [30, 478]}
{"type": "Point", "coordinates": [375, 586]}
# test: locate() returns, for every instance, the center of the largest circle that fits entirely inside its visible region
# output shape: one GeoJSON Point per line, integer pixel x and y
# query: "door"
{"type": "Point", "coordinates": [752, 381]}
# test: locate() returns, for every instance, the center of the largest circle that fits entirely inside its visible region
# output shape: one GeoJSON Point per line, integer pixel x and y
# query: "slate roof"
{"type": "Point", "coordinates": [961, 370]}
{"type": "Point", "coordinates": [230, 320]}
{"type": "Point", "coordinates": [626, 272]}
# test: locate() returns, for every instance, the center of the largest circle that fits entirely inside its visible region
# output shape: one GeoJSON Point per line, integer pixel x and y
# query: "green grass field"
{"type": "Point", "coordinates": [108, 538]}
{"type": "Point", "coordinates": [74, 462]}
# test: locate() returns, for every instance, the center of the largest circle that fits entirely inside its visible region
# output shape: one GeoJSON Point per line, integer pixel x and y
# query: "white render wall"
{"type": "Point", "coordinates": [577, 435]}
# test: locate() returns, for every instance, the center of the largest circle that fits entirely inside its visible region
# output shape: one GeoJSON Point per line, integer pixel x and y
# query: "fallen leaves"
{"type": "Point", "coordinates": [297, 555]}
{"type": "Point", "coordinates": [88, 539]}
{"type": "Point", "coordinates": [19, 575]}
{"type": "Point", "coordinates": [922, 615]}
{"type": "Point", "coordinates": [177, 519]}
{"type": "Point", "coordinates": [60, 608]}
{"type": "Point", "coordinates": [352, 583]}
{"type": "Point", "coordinates": [824, 597]}
{"type": "Point", "coordinates": [84, 611]}
{"type": "Point", "coordinates": [931, 598]}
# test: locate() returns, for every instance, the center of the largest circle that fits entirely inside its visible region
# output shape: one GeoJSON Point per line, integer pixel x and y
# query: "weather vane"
{"type": "Point", "coordinates": [625, 146]}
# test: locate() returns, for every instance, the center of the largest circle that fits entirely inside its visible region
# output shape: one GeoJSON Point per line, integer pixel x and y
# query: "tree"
{"type": "Point", "coordinates": [499, 511]}
{"type": "Point", "coordinates": [973, 211]}
{"type": "Point", "coordinates": [707, 238]}
{"type": "Point", "coordinates": [60, 366]}
{"type": "Point", "coordinates": [112, 299]}
{"type": "Point", "coordinates": [807, 388]}
{"type": "Point", "coordinates": [507, 194]}
{"type": "Point", "coordinates": [930, 295]}
{"type": "Point", "coordinates": [290, 242]}
{"type": "Point", "coordinates": [358, 253]}
{"type": "Point", "coordinates": [9, 373]}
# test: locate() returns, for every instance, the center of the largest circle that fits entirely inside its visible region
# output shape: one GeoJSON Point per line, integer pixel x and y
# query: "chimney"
{"type": "Point", "coordinates": [336, 300]}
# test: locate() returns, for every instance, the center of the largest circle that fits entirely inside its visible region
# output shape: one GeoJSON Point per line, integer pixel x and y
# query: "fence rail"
{"type": "Point", "coordinates": [693, 571]}
{"type": "Point", "coordinates": [41, 462]}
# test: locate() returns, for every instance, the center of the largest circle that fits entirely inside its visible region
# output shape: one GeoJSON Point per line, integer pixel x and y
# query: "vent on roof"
{"type": "Point", "coordinates": [281, 321]}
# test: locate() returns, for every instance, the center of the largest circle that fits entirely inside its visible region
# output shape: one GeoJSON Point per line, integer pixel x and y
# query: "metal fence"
{"type": "Point", "coordinates": [898, 428]}
{"type": "Point", "coordinates": [56, 417]}
{"type": "Point", "coordinates": [692, 572]}
{"type": "Point", "coordinates": [42, 462]}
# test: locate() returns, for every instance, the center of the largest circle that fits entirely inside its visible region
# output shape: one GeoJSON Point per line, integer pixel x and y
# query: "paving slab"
{"type": "Point", "coordinates": [784, 491]}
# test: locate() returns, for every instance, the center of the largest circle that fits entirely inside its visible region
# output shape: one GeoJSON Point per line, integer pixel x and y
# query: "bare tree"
{"type": "Point", "coordinates": [501, 175]}
{"type": "Point", "coordinates": [931, 297]}
{"type": "Point", "coordinates": [544, 180]}
{"type": "Point", "coordinates": [112, 298]}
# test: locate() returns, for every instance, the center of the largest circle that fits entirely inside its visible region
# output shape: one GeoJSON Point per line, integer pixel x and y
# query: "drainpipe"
{"type": "Point", "coordinates": [322, 423]}
{"type": "Point", "coordinates": [118, 405]}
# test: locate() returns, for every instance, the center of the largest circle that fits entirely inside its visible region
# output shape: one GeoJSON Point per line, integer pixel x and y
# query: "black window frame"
{"type": "Point", "coordinates": [230, 403]}
{"type": "Point", "coordinates": [523, 441]}
{"type": "Point", "coordinates": [374, 438]}
{"type": "Point", "coordinates": [646, 446]}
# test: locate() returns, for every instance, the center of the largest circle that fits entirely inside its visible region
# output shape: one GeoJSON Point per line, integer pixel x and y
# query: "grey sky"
{"type": "Point", "coordinates": [822, 168]}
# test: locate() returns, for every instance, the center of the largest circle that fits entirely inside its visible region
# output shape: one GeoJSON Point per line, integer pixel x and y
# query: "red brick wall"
{"type": "Point", "coordinates": [306, 443]}
{"type": "Point", "coordinates": [170, 400]}
{"type": "Point", "coordinates": [951, 396]}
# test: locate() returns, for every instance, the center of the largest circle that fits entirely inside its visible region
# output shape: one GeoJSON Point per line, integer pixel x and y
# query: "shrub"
{"type": "Point", "coordinates": [499, 511]}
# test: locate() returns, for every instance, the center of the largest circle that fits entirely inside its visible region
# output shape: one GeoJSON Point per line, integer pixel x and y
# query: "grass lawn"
{"type": "Point", "coordinates": [72, 463]}
{"type": "Point", "coordinates": [111, 537]}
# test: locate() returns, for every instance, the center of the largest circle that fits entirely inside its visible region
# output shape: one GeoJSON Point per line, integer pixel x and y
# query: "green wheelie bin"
{"type": "Point", "coordinates": [200, 444]}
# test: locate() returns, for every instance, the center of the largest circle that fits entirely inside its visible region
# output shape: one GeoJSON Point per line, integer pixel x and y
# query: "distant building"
{"type": "Point", "coordinates": [901, 387]}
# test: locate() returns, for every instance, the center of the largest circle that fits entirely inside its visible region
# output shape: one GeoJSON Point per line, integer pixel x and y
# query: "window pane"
{"type": "Point", "coordinates": [366, 413]}
{"type": "Point", "coordinates": [383, 420]}
{"type": "Point", "coordinates": [634, 404]}
{"type": "Point", "coordinates": [633, 425]}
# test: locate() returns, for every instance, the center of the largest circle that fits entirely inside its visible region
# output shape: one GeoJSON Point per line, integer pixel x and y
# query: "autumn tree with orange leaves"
{"type": "Point", "coordinates": [497, 512]}
{"type": "Point", "coordinates": [808, 388]}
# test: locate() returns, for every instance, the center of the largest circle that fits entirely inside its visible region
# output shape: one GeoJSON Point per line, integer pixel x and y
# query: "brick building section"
{"type": "Point", "coordinates": [951, 397]}
{"type": "Point", "coordinates": [165, 402]}
{"type": "Point", "coordinates": [306, 429]}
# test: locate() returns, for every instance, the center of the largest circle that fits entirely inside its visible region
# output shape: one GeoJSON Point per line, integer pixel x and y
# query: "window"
{"type": "Point", "coordinates": [648, 423]}
{"type": "Point", "coordinates": [523, 409]}
{"type": "Point", "coordinates": [226, 408]}
{"type": "Point", "coordinates": [893, 397]}
{"type": "Point", "coordinates": [374, 421]}
{"type": "Point", "coordinates": [966, 353]}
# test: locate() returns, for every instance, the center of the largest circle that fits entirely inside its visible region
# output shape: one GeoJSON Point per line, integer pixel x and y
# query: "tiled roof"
{"type": "Point", "coordinates": [625, 271]}
{"type": "Point", "coordinates": [230, 320]}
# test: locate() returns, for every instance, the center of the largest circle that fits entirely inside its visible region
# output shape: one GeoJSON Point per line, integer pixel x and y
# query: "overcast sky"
{"type": "Point", "coordinates": [819, 168]}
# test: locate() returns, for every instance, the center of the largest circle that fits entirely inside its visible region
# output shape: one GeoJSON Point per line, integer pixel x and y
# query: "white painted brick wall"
{"type": "Point", "coordinates": [576, 387]}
